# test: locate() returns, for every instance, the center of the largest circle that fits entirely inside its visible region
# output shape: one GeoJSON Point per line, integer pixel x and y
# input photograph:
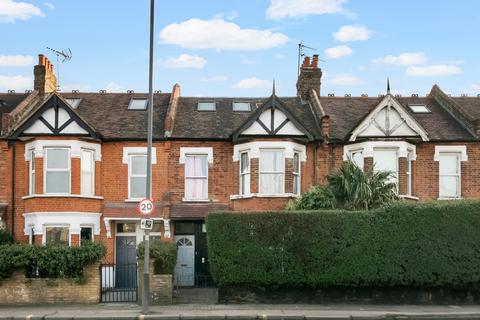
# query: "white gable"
{"type": "Point", "coordinates": [389, 119]}
{"type": "Point", "coordinates": [281, 125]}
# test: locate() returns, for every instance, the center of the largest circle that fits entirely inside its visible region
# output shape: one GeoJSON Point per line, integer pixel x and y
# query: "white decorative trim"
{"type": "Point", "coordinates": [61, 196]}
{"type": "Point", "coordinates": [75, 147]}
{"type": "Point", "coordinates": [389, 100]}
{"type": "Point", "coordinates": [128, 151]}
{"type": "Point", "coordinates": [193, 200]}
{"type": "Point", "coordinates": [194, 150]}
{"type": "Point", "coordinates": [74, 220]}
{"type": "Point", "coordinates": [259, 195]}
{"type": "Point", "coordinates": [452, 149]}
{"type": "Point", "coordinates": [253, 149]}
{"type": "Point", "coordinates": [368, 148]}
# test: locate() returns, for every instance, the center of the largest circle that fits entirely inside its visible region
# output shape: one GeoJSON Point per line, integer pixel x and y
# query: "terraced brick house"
{"type": "Point", "coordinates": [72, 165]}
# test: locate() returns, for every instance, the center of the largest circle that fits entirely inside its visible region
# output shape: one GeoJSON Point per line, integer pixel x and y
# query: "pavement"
{"type": "Point", "coordinates": [241, 312]}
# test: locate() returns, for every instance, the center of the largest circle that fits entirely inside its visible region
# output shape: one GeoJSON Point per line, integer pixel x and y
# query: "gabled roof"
{"type": "Point", "coordinates": [53, 117]}
{"type": "Point", "coordinates": [8, 102]}
{"type": "Point", "coordinates": [388, 119]}
{"type": "Point", "coordinates": [347, 112]}
{"type": "Point", "coordinates": [272, 127]}
{"type": "Point", "coordinates": [223, 122]}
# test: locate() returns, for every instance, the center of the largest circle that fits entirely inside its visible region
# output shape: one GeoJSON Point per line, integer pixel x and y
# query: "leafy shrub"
{"type": "Point", "coordinates": [164, 253]}
{"type": "Point", "coordinates": [429, 245]}
{"type": "Point", "coordinates": [49, 261]}
{"type": "Point", "coordinates": [5, 237]}
{"type": "Point", "coordinates": [349, 188]}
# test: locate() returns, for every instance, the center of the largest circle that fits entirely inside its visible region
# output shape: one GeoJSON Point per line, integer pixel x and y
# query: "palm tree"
{"type": "Point", "coordinates": [349, 188]}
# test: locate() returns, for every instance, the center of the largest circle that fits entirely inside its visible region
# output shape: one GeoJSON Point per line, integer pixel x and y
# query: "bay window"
{"type": "Point", "coordinates": [296, 173]}
{"type": "Point", "coordinates": [87, 172]}
{"type": "Point", "coordinates": [196, 177]}
{"type": "Point", "coordinates": [387, 160]}
{"type": "Point", "coordinates": [137, 177]}
{"type": "Point", "coordinates": [57, 171]}
{"type": "Point", "coordinates": [57, 236]}
{"type": "Point", "coordinates": [357, 158]}
{"type": "Point", "coordinates": [272, 172]}
{"type": "Point", "coordinates": [449, 175]}
{"type": "Point", "coordinates": [244, 174]}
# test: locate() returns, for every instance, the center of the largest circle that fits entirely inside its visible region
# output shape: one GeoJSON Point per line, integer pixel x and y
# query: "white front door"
{"type": "Point", "coordinates": [185, 268]}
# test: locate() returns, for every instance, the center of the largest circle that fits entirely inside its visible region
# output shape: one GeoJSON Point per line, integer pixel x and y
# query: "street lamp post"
{"type": "Point", "coordinates": [146, 273]}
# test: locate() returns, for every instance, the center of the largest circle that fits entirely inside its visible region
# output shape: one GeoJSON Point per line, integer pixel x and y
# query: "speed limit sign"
{"type": "Point", "coordinates": [145, 206]}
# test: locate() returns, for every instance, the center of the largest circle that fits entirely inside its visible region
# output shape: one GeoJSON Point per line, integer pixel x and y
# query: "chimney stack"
{"type": "Point", "coordinates": [309, 78]}
{"type": "Point", "coordinates": [45, 81]}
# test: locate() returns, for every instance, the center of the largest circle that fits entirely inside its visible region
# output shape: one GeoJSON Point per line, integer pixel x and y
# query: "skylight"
{"type": "Point", "coordinates": [138, 104]}
{"type": "Point", "coordinates": [419, 108]}
{"type": "Point", "coordinates": [206, 106]}
{"type": "Point", "coordinates": [73, 102]}
{"type": "Point", "coordinates": [241, 106]}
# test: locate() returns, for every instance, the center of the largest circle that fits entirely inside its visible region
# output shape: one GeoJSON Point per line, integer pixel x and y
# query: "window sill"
{"type": "Point", "coordinates": [61, 196]}
{"type": "Point", "coordinates": [408, 197]}
{"type": "Point", "coordinates": [133, 200]}
{"type": "Point", "coordinates": [258, 195]}
{"type": "Point", "coordinates": [199, 200]}
{"type": "Point", "coordinates": [446, 199]}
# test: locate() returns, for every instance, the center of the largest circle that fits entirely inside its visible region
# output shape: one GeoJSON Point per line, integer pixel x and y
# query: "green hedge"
{"type": "Point", "coordinates": [5, 237]}
{"type": "Point", "coordinates": [49, 261]}
{"type": "Point", "coordinates": [164, 253]}
{"type": "Point", "coordinates": [435, 244]}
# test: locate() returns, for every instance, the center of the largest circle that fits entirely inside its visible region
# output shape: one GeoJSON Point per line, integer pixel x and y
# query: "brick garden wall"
{"type": "Point", "coordinates": [20, 290]}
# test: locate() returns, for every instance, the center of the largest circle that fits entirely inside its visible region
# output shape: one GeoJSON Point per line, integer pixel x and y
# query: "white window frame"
{"type": "Point", "coordinates": [130, 175]}
{"type": "Point", "coordinates": [297, 175]}
{"type": "Point", "coordinates": [92, 172]}
{"type": "Point", "coordinates": [69, 169]}
{"type": "Point", "coordinates": [67, 226]}
{"type": "Point", "coordinates": [260, 191]}
{"type": "Point", "coordinates": [243, 175]}
{"type": "Point", "coordinates": [31, 172]}
{"type": "Point", "coordinates": [409, 174]}
{"type": "Point", "coordinates": [195, 177]}
{"type": "Point", "coordinates": [360, 151]}
{"type": "Point", "coordinates": [397, 169]}
{"type": "Point", "coordinates": [458, 175]}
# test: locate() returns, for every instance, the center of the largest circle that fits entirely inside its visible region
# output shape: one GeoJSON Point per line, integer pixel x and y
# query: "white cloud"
{"type": "Point", "coordinates": [50, 5]}
{"type": "Point", "coordinates": [338, 52]}
{"type": "Point", "coordinates": [12, 10]}
{"type": "Point", "coordinates": [248, 61]}
{"type": "Point", "coordinates": [184, 61]}
{"type": "Point", "coordinates": [280, 9]}
{"type": "Point", "coordinates": [15, 82]}
{"type": "Point", "coordinates": [232, 15]}
{"type": "Point", "coordinates": [114, 87]}
{"type": "Point", "coordinates": [352, 33]}
{"type": "Point", "coordinates": [214, 79]}
{"type": "Point", "coordinates": [475, 87]}
{"type": "Point", "coordinates": [345, 79]}
{"type": "Point", "coordinates": [252, 83]}
{"type": "Point", "coordinates": [362, 68]}
{"type": "Point", "coordinates": [15, 61]}
{"type": "Point", "coordinates": [433, 70]}
{"type": "Point", "coordinates": [219, 34]}
{"type": "Point", "coordinates": [404, 59]}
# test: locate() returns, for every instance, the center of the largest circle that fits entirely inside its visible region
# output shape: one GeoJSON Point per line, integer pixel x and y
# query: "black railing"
{"type": "Point", "coordinates": [118, 282]}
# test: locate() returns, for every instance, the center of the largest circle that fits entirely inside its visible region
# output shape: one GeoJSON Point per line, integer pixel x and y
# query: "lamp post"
{"type": "Point", "coordinates": [146, 272]}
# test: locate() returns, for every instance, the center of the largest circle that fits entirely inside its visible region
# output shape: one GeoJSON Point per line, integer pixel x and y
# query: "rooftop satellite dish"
{"type": "Point", "coordinates": [66, 56]}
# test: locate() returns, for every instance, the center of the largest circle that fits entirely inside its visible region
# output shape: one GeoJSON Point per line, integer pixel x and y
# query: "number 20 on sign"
{"type": "Point", "coordinates": [145, 206]}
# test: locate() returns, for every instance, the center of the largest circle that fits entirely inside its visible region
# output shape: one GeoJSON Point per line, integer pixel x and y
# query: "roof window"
{"type": "Point", "coordinates": [138, 104]}
{"type": "Point", "coordinates": [241, 106]}
{"type": "Point", "coordinates": [206, 106]}
{"type": "Point", "coordinates": [419, 108]}
{"type": "Point", "coordinates": [73, 102]}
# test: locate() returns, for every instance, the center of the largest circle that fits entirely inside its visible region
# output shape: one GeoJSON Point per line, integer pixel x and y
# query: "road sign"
{"type": "Point", "coordinates": [146, 224]}
{"type": "Point", "coordinates": [145, 206]}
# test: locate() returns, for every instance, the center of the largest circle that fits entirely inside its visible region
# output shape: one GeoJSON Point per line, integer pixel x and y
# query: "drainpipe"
{"type": "Point", "coordinates": [13, 191]}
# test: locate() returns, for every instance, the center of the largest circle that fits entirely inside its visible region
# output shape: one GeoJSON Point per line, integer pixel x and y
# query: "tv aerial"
{"type": "Point", "coordinates": [301, 54]}
{"type": "Point", "coordinates": [66, 55]}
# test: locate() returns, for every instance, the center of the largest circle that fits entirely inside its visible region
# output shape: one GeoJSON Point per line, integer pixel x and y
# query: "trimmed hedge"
{"type": "Point", "coordinates": [424, 245]}
{"type": "Point", "coordinates": [5, 237]}
{"type": "Point", "coordinates": [164, 253]}
{"type": "Point", "coordinates": [49, 261]}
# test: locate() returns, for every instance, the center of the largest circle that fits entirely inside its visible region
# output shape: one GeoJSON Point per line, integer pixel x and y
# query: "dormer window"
{"type": "Point", "coordinates": [206, 106]}
{"type": "Point", "coordinates": [73, 102]}
{"type": "Point", "coordinates": [419, 108]}
{"type": "Point", "coordinates": [138, 104]}
{"type": "Point", "coordinates": [241, 106]}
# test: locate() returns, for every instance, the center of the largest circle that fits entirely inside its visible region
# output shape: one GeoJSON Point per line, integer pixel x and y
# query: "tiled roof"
{"type": "Point", "coordinates": [8, 102]}
{"type": "Point", "coordinates": [108, 114]}
{"type": "Point", "coordinates": [221, 123]}
{"type": "Point", "coordinates": [469, 105]}
{"type": "Point", "coordinates": [347, 112]}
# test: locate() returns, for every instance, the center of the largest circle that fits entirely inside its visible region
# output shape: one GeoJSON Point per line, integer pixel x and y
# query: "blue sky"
{"type": "Point", "coordinates": [236, 48]}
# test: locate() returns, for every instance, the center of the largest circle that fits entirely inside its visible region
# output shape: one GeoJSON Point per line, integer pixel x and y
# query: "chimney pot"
{"type": "Point", "coordinates": [306, 62]}
{"type": "Point", "coordinates": [44, 77]}
{"type": "Point", "coordinates": [309, 78]}
{"type": "Point", "coordinates": [315, 61]}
